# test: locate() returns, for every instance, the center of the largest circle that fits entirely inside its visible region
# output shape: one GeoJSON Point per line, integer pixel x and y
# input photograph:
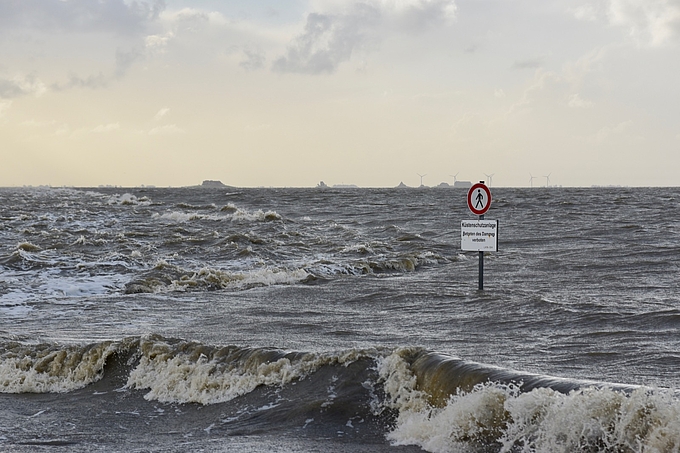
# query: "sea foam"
{"type": "Point", "coordinates": [51, 368]}
{"type": "Point", "coordinates": [191, 372]}
{"type": "Point", "coordinates": [597, 419]}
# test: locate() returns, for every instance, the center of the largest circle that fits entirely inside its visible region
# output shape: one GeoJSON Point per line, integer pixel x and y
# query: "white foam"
{"type": "Point", "coordinates": [128, 199]}
{"type": "Point", "coordinates": [81, 286]}
{"type": "Point", "coordinates": [52, 370]}
{"type": "Point", "coordinates": [235, 215]}
{"type": "Point", "coordinates": [258, 216]}
{"type": "Point", "coordinates": [179, 377]}
{"type": "Point", "coordinates": [223, 279]}
{"type": "Point", "coordinates": [540, 421]}
{"type": "Point", "coordinates": [27, 247]}
{"type": "Point", "coordinates": [179, 217]}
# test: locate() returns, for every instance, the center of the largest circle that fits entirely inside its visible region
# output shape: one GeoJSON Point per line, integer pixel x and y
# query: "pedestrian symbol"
{"type": "Point", "coordinates": [479, 199]}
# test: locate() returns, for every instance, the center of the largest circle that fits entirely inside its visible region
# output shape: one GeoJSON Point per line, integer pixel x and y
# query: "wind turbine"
{"type": "Point", "coordinates": [531, 180]}
{"type": "Point", "coordinates": [454, 178]}
{"type": "Point", "coordinates": [490, 178]}
{"type": "Point", "coordinates": [547, 179]}
{"type": "Point", "coordinates": [421, 178]}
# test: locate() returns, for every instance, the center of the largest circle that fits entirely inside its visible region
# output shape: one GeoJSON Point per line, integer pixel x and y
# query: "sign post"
{"type": "Point", "coordinates": [479, 235]}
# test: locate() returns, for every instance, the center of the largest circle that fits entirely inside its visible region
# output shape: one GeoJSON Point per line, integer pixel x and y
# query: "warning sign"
{"type": "Point", "coordinates": [479, 199]}
{"type": "Point", "coordinates": [479, 235]}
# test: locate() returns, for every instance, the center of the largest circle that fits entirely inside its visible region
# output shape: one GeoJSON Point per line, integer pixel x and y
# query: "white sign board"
{"type": "Point", "coordinates": [479, 235]}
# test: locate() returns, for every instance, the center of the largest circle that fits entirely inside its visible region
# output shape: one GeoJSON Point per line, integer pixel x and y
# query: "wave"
{"type": "Point", "coordinates": [47, 368]}
{"type": "Point", "coordinates": [192, 372]}
{"type": "Point", "coordinates": [378, 264]}
{"type": "Point", "coordinates": [128, 199]}
{"type": "Point", "coordinates": [233, 214]}
{"type": "Point", "coordinates": [27, 256]}
{"type": "Point", "coordinates": [210, 206]}
{"type": "Point", "coordinates": [447, 404]}
{"type": "Point", "coordinates": [437, 402]}
{"type": "Point", "coordinates": [165, 277]}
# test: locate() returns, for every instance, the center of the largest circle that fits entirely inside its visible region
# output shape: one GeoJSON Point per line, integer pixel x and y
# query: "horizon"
{"type": "Point", "coordinates": [339, 186]}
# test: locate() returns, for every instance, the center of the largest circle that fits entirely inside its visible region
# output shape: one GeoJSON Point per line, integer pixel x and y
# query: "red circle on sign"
{"type": "Point", "coordinates": [475, 201]}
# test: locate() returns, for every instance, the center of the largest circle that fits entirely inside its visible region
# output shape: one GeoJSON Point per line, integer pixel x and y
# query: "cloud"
{"type": "Point", "coordinates": [330, 38]}
{"type": "Point", "coordinates": [592, 61]}
{"type": "Point", "coordinates": [73, 17]}
{"type": "Point", "coordinates": [587, 12]}
{"type": "Point", "coordinates": [92, 81]}
{"type": "Point", "coordinates": [576, 101]}
{"type": "Point", "coordinates": [106, 128]}
{"type": "Point", "coordinates": [545, 88]}
{"type": "Point", "coordinates": [179, 23]}
{"type": "Point", "coordinates": [327, 41]}
{"type": "Point", "coordinates": [649, 22]}
{"type": "Point", "coordinates": [610, 132]}
{"type": "Point", "coordinates": [253, 59]}
{"type": "Point", "coordinates": [21, 86]}
{"type": "Point", "coordinates": [169, 129]}
{"type": "Point", "coordinates": [158, 43]}
{"type": "Point", "coordinates": [34, 123]}
{"type": "Point", "coordinates": [190, 19]}
{"type": "Point", "coordinates": [10, 89]}
{"type": "Point", "coordinates": [161, 113]}
{"type": "Point", "coordinates": [124, 61]}
{"type": "Point", "coordinates": [418, 15]}
{"type": "Point", "coordinates": [533, 63]}
{"type": "Point", "coordinates": [4, 106]}
{"type": "Point", "coordinates": [116, 16]}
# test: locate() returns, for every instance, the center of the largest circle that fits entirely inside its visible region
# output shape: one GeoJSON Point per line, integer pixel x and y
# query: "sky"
{"type": "Point", "coordinates": [288, 93]}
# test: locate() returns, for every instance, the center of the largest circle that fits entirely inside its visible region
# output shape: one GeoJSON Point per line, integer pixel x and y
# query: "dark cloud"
{"type": "Point", "coordinates": [125, 59]}
{"type": "Point", "coordinates": [115, 16]}
{"type": "Point", "coordinates": [253, 60]}
{"type": "Point", "coordinates": [10, 89]}
{"type": "Point", "coordinates": [533, 63]}
{"type": "Point", "coordinates": [329, 39]}
{"type": "Point", "coordinates": [419, 15]}
{"type": "Point", "coordinates": [20, 86]}
{"type": "Point", "coordinates": [92, 81]}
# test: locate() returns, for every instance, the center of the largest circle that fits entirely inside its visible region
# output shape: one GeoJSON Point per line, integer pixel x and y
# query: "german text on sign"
{"type": "Point", "coordinates": [479, 235]}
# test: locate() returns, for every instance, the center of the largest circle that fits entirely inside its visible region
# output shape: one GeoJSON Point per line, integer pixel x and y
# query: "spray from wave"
{"type": "Point", "coordinates": [439, 403]}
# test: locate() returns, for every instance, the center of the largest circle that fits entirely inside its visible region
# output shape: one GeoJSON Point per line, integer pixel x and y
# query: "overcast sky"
{"type": "Point", "coordinates": [371, 92]}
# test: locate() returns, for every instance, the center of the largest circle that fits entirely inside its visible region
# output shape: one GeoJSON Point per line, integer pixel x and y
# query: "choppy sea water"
{"type": "Point", "coordinates": [192, 319]}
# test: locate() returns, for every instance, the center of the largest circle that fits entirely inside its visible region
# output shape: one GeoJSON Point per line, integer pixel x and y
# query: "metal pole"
{"type": "Point", "coordinates": [481, 264]}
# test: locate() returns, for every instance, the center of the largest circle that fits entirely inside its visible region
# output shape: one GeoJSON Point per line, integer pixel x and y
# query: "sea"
{"type": "Point", "coordinates": [338, 320]}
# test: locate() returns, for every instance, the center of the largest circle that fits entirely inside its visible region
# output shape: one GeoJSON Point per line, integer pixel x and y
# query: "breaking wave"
{"type": "Point", "coordinates": [439, 403]}
{"type": "Point", "coordinates": [166, 277]}
{"type": "Point", "coordinates": [233, 214]}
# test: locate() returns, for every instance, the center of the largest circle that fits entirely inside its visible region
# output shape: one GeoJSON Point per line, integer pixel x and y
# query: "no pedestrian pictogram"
{"type": "Point", "coordinates": [479, 199]}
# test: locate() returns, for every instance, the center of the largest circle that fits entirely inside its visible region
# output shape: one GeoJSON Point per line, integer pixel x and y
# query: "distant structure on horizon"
{"type": "Point", "coordinates": [345, 186]}
{"type": "Point", "coordinates": [212, 184]}
{"type": "Point", "coordinates": [462, 185]}
{"type": "Point", "coordinates": [322, 185]}
{"type": "Point", "coordinates": [402, 186]}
